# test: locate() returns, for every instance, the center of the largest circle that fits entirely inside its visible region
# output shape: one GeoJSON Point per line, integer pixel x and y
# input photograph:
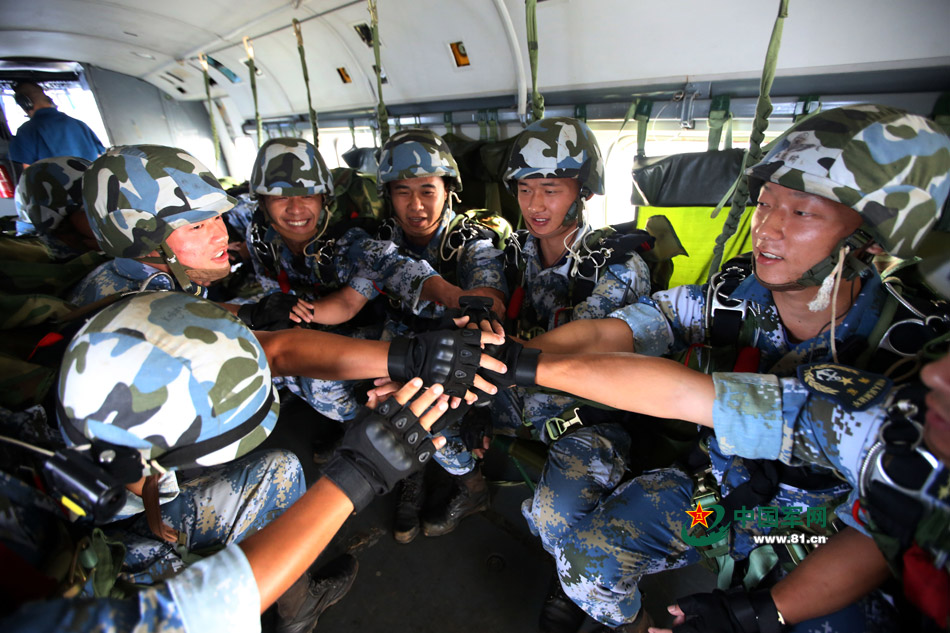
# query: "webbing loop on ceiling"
{"type": "Point", "coordinates": [306, 82]}
{"type": "Point", "coordinates": [763, 108]}
{"type": "Point", "coordinates": [203, 59]}
{"type": "Point", "coordinates": [249, 49]}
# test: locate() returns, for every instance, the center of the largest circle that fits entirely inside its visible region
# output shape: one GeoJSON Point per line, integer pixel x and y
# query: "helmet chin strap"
{"type": "Point", "coordinates": [856, 261]}
{"type": "Point", "coordinates": [576, 212]}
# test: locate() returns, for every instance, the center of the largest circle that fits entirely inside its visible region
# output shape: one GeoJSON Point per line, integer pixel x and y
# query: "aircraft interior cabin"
{"type": "Point", "coordinates": [680, 99]}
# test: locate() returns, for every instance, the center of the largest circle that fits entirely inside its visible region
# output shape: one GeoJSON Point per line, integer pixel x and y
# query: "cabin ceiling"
{"type": "Point", "coordinates": [603, 49]}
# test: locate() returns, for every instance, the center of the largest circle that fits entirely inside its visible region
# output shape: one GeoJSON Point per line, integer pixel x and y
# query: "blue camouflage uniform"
{"type": "Point", "coordinates": [212, 511]}
{"type": "Point", "coordinates": [218, 593]}
{"type": "Point", "coordinates": [355, 260]}
{"type": "Point", "coordinates": [478, 265]}
{"type": "Point", "coordinates": [606, 533]}
{"type": "Point", "coordinates": [547, 295]}
{"type": "Point", "coordinates": [117, 276]}
{"type": "Point", "coordinates": [805, 428]}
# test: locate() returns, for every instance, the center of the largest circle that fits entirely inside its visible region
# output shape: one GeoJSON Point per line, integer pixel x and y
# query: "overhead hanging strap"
{"type": "Point", "coordinates": [537, 101]}
{"type": "Point", "coordinates": [451, 127]}
{"type": "Point", "coordinates": [763, 108]}
{"type": "Point", "coordinates": [214, 129]}
{"type": "Point", "coordinates": [719, 117]}
{"type": "Point", "coordinates": [306, 82]}
{"type": "Point", "coordinates": [639, 111]}
{"type": "Point", "coordinates": [249, 49]}
{"type": "Point", "coordinates": [381, 114]}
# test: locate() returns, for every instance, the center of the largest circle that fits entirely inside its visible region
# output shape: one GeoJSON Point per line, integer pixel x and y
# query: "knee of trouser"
{"type": "Point", "coordinates": [607, 443]}
{"type": "Point", "coordinates": [284, 467]}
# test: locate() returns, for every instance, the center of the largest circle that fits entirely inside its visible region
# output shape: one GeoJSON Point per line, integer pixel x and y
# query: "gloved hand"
{"type": "Point", "coordinates": [270, 313]}
{"type": "Point", "coordinates": [477, 309]}
{"type": "Point", "coordinates": [449, 357]}
{"type": "Point", "coordinates": [379, 449]}
{"type": "Point", "coordinates": [522, 363]}
{"type": "Point", "coordinates": [733, 611]}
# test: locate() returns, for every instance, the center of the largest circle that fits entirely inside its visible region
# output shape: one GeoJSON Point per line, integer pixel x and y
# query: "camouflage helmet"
{"type": "Point", "coordinates": [892, 167]}
{"type": "Point", "coordinates": [172, 375]}
{"type": "Point", "coordinates": [50, 189]}
{"type": "Point", "coordinates": [416, 153]}
{"type": "Point", "coordinates": [136, 195]}
{"type": "Point", "coordinates": [557, 147]}
{"type": "Point", "coordinates": [290, 167]}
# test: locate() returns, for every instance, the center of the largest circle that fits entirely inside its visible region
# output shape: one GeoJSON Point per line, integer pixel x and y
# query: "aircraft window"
{"type": "Point", "coordinates": [70, 98]}
{"type": "Point", "coordinates": [664, 137]}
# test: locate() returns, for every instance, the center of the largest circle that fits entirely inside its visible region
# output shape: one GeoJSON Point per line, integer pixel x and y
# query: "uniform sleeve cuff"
{"type": "Point", "coordinates": [651, 333]}
{"type": "Point", "coordinates": [747, 414]}
{"type": "Point", "coordinates": [219, 593]}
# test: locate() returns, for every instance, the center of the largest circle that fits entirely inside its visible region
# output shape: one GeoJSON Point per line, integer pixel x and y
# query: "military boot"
{"type": "Point", "coordinates": [299, 608]}
{"type": "Point", "coordinates": [471, 496]}
{"type": "Point", "coordinates": [411, 496]}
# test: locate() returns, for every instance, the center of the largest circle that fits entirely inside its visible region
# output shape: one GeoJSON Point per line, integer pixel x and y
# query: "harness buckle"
{"type": "Point", "coordinates": [718, 297]}
{"type": "Point", "coordinates": [909, 337]}
{"type": "Point", "coordinates": [557, 427]}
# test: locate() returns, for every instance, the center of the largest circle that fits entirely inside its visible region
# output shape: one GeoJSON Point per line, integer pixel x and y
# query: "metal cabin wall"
{"type": "Point", "coordinates": [136, 112]}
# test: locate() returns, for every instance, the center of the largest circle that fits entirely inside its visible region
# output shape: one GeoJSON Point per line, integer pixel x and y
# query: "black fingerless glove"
{"type": "Point", "coordinates": [522, 363]}
{"type": "Point", "coordinates": [449, 357]}
{"type": "Point", "coordinates": [476, 308]}
{"type": "Point", "coordinates": [270, 313]}
{"type": "Point", "coordinates": [379, 449]}
{"type": "Point", "coordinates": [733, 611]}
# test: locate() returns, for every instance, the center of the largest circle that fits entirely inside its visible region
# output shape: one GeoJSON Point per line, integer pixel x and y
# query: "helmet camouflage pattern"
{"type": "Point", "coordinates": [136, 195]}
{"type": "Point", "coordinates": [161, 371]}
{"type": "Point", "coordinates": [50, 189]}
{"type": "Point", "coordinates": [416, 153]}
{"type": "Point", "coordinates": [557, 147]}
{"type": "Point", "coordinates": [891, 167]}
{"type": "Point", "coordinates": [290, 167]}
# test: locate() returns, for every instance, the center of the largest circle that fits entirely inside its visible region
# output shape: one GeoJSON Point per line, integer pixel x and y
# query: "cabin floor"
{"type": "Point", "coordinates": [490, 574]}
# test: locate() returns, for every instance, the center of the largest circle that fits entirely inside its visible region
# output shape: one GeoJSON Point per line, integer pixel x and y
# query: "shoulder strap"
{"type": "Point", "coordinates": [603, 248]}
{"type": "Point", "coordinates": [725, 315]}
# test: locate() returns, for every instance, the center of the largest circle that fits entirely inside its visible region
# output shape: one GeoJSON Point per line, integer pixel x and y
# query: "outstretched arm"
{"type": "Point", "coordinates": [283, 550]}
{"type": "Point", "coordinates": [835, 575]}
{"type": "Point", "coordinates": [323, 355]}
{"type": "Point", "coordinates": [643, 384]}
{"type": "Point", "coordinates": [333, 357]}
{"type": "Point", "coordinates": [337, 307]}
{"type": "Point", "coordinates": [440, 291]}
{"type": "Point", "coordinates": [832, 577]}
{"type": "Point", "coordinates": [586, 336]}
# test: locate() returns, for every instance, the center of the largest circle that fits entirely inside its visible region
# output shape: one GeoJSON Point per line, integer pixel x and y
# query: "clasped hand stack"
{"type": "Point", "coordinates": [385, 445]}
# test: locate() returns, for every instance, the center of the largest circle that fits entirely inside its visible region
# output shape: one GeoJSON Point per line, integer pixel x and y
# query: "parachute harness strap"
{"type": "Point", "coordinates": [531, 19]}
{"type": "Point", "coordinates": [382, 115]}
{"type": "Point", "coordinates": [249, 49]}
{"type": "Point", "coordinates": [306, 83]}
{"type": "Point", "coordinates": [214, 128]}
{"type": "Point", "coordinates": [763, 108]}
